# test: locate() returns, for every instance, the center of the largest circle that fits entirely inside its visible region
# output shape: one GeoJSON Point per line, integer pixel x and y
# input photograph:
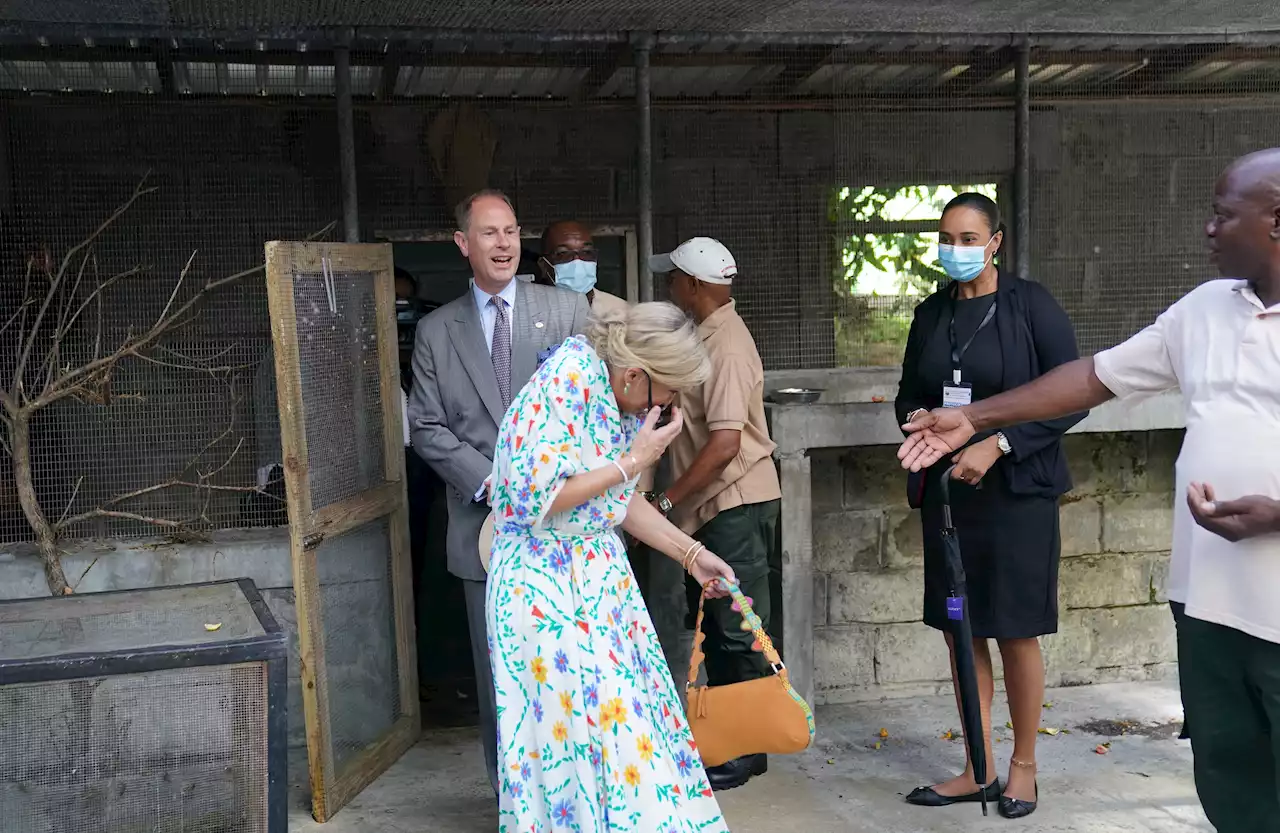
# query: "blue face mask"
{"type": "Point", "coordinates": [963, 263]}
{"type": "Point", "coordinates": [576, 276]}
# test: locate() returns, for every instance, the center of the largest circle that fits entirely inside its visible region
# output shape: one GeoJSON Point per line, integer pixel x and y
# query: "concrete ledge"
{"type": "Point", "coordinates": [797, 428]}
{"type": "Point", "coordinates": [96, 565]}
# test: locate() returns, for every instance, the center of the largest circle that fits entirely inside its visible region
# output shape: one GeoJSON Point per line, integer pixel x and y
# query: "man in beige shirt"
{"type": "Point", "coordinates": [726, 492]}
{"type": "Point", "coordinates": [569, 261]}
{"type": "Point", "coordinates": [1220, 347]}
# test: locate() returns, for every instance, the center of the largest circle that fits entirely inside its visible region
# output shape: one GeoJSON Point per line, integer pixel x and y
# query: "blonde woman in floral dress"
{"type": "Point", "coordinates": [591, 735]}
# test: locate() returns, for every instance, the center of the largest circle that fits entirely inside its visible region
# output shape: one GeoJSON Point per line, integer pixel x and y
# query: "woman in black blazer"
{"type": "Point", "coordinates": [987, 332]}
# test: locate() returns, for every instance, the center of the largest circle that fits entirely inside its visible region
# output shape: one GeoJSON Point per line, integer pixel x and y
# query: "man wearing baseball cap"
{"type": "Point", "coordinates": [726, 492]}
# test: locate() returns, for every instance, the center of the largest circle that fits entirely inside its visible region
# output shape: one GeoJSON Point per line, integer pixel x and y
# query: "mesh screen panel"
{"type": "Point", "coordinates": [166, 752]}
{"type": "Point", "coordinates": [338, 364]}
{"type": "Point", "coordinates": [362, 671]}
{"type": "Point", "coordinates": [226, 178]}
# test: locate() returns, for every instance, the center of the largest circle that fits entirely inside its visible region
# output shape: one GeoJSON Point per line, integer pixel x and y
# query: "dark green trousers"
{"type": "Point", "coordinates": [745, 538]}
{"type": "Point", "coordinates": [1231, 693]}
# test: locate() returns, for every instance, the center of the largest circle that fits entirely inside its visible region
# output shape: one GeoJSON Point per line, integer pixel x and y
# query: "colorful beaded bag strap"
{"type": "Point", "coordinates": [750, 622]}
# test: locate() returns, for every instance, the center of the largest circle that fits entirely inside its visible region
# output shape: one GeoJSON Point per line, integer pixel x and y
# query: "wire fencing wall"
{"type": "Point", "coordinates": [823, 168]}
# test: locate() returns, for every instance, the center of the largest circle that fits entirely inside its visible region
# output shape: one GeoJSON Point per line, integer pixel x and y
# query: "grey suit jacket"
{"type": "Point", "coordinates": [455, 407]}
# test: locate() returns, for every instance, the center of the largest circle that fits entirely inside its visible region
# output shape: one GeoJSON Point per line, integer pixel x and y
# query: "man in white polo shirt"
{"type": "Point", "coordinates": [1220, 346]}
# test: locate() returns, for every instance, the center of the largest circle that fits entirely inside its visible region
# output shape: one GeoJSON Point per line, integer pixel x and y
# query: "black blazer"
{"type": "Point", "coordinates": [1035, 337]}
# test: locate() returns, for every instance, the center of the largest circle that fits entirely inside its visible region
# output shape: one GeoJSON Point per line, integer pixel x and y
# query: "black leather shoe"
{"type": "Point", "coordinates": [1016, 808]}
{"type": "Point", "coordinates": [928, 797]}
{"type": "Point", "coordinates": [735, 773]}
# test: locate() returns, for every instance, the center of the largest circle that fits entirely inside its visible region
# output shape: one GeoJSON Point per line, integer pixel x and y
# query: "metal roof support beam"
{"type": "Point", "coordinates": [800, 65]}
{"type": "Point", "coordinates": [1022, 162]}
{"type": "Point", "coordinates": [347, 147]}
{"type": "Point", "coordinates": [164, 71]}
{"type": "Point", "coordinates": [1164, 66]}
{"type": "Point", "coordinates": [602, 72]}
{"type": "Point", "coordinates": [389, 75]}
{"type": "Point", "coordinates": [644, 187]}
{"type": "Point", "coordinates": [984, 66]}
{"type": "Point", "coordinates": [373, 38]}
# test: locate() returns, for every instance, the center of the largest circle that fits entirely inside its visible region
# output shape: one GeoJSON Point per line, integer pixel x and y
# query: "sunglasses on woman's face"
{"type": "Point", "coordinates": [664, 417]}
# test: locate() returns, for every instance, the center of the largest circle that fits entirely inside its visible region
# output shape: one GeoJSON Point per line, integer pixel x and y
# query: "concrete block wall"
{"type": "Point", "coordinates": [868, 571]}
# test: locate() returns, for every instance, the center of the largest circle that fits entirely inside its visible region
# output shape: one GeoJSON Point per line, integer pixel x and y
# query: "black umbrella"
{"type": "Point", "coordinates": [962, 639]}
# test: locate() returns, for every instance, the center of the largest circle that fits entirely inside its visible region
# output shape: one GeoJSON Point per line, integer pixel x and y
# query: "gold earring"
{"type": "Point", "coordinates": [626, 389]}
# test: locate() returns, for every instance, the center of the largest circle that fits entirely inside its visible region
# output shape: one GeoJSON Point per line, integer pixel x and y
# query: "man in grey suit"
{"type": "Point", "coordinates": [470, 358]}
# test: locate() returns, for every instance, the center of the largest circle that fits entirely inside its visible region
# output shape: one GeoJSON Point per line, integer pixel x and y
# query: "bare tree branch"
{"type": "Point", "coordinates": [60, 387]}
{"type": "Point", "coordinates": [21, 310]}
{"type": "Point", "coordinates": [56, 279]}
{"type": "Point", "coordinates": [182, 276]}
{"type": "Point", "coordinates": [60, 377]}
{"type": "Point", "coordinates": [167, 523]}
{"type": "Point", "coordinates": [27, 300]}
{"type": "Point", "coordinates": [70, 502]}
{"type": "Point", "coordinates": [96, 294]}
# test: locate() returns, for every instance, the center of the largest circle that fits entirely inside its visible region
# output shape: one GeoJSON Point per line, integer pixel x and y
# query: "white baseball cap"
{"type": "Point", "coordinates": [702, 257]}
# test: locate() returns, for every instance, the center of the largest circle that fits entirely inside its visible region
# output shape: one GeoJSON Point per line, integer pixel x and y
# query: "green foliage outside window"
{"type": "Point", "coordinates": [886, 263]}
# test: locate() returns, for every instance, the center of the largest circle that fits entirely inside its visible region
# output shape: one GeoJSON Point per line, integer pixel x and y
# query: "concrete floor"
{"type": "Point", "coordinates": [1142, 785]}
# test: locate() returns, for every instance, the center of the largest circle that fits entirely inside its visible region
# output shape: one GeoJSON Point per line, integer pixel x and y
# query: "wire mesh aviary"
{"type": "Point", "coordinates": [69, 342]}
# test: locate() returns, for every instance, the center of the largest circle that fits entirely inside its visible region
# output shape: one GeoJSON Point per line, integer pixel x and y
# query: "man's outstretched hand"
{"type": "Point", "coordinates": [934, 435]}
{"type": "Point", "coordinates": [1234, 520]}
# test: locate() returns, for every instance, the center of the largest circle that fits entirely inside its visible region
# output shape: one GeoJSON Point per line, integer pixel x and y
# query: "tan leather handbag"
{"type": "Point", "coordinates": [765, 715]}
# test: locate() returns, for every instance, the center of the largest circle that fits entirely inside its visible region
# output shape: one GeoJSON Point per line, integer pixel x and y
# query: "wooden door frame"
{"type": "Point", "coordinates": [308, 528]}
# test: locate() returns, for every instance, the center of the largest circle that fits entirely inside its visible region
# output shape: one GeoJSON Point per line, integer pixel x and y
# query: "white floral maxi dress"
{"type": "Point", "coordinates": [591, 736]}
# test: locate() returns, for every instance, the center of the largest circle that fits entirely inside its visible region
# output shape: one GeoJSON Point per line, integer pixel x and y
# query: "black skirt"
{"type": "Point", "coordinates": [1010, 545]}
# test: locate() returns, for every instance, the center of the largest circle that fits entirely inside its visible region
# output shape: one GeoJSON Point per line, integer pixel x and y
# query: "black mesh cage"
{"type": "Point", "coordinates": [821, 160]}
{"type": "Point", "coordinates": [161, 710]}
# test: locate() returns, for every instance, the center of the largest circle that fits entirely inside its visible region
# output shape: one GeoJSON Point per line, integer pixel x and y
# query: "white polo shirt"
{"type": "Point", "coordinates": [1221, 347]}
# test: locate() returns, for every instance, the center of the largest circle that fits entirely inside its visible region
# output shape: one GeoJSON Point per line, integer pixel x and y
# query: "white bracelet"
{"type": "Point", "coordinates": [618, 466]}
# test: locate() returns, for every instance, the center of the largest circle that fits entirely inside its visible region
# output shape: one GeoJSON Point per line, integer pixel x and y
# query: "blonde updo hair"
{"type": "Point", "coordinates": [656, 337]}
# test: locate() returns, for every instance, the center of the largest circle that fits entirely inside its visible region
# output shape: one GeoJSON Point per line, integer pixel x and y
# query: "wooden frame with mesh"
{"type": "Point", "coordinates": [334, 784]}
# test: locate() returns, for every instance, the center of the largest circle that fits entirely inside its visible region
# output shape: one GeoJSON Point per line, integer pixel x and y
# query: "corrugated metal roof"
{"type": "Point", "coordinates": [940, 16]}
{"type": "Point", "coordinates": [680, 71]}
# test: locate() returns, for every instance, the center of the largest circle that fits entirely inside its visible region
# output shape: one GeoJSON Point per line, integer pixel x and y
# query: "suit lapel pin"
{"type": "Point", "coordinates": [538, 324]}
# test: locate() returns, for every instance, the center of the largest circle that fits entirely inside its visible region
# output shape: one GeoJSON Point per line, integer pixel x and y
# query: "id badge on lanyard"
{"type": "Point", "coordinates": [959, 393]}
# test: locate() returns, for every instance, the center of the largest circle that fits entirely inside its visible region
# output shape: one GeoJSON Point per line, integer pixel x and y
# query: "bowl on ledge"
{"type": "Point", "coordinates": [794, 396]}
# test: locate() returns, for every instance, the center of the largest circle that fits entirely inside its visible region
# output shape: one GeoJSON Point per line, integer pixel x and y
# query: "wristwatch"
{"type": "Point", "coordinates": [663, 503]}
{"type": "Point", "coordinates": [1002, 443]}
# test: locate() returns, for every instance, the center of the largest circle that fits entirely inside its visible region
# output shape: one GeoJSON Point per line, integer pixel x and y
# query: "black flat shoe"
{"type": "Point", "coordinates": [929, 797]}
{"type": "Point", "coordinates": [736, 773]}
{"type": "Point", "coordinates": [1016, 808]}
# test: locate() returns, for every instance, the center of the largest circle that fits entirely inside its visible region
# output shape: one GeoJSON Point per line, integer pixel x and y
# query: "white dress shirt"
{"type": "Point", "coordinates": [1221, 347]}
{"type": "Point", "coordinates": [488, 315]}
{"type": "Point", "coordinates": [404, 414]}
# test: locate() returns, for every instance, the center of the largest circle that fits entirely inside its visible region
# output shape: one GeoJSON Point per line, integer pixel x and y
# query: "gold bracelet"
{"type": "Point", "coordinates": [688, 550]}
{"type": "Point", "coordinates": [692, 555]}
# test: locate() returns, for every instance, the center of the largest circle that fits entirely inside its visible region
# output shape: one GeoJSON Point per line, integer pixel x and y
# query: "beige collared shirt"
{"type": "Point", "coordinates": [732, 400]}
{"type": "Point", "coordinates": [1221, 347]}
